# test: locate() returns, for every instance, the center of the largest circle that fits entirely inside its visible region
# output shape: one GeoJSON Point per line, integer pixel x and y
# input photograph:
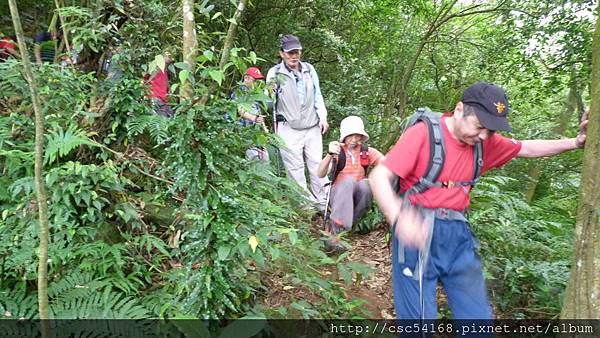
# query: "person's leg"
{"type": "Point", "coordinates": [463, 278]}
{"type": "Point", "coordinates": [291, 155]}
{"type": "Point", "coordinates": [257, 154]}
{"type": "Point", "coordinates": [342, 205]}
{"type": "Point", "coordinates": [263, 155]}
{"type": "Point", "coordinates": [313, 151]}
{"type": "Point", "coordinates": [407, 291]}
{"type": "Point", "coordinates": [363, 198]}
{"type": "Point", "coordinates": [252, 154]}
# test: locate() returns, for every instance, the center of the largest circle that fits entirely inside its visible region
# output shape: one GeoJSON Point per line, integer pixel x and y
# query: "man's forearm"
{"type": "Point", "coordinates": [324, 165]}
{"type": "Point", "coordinates": [542, 148]}
{"type": "Point", "coordinates": [386, 198]}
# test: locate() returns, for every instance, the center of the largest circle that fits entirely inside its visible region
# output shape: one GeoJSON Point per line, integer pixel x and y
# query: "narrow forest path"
{"type": "Point", "coordinates": [376, 289]}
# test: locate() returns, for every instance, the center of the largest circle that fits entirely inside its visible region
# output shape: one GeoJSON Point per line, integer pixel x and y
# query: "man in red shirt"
{"type": "Point", "coordinates": [431, 237]}
{"type": "Point", "coordinates": [351, 196]}
{"type": "Point", "coordinates": [159, 85]}
{"type": "Point", "coordinates": [7, 48]}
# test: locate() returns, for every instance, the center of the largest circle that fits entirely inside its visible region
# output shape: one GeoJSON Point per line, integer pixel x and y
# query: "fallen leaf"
{"type": "Point", "coordinates": [253, 243]}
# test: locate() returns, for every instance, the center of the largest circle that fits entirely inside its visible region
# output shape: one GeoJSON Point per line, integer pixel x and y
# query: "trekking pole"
{"type": "Point", "coordinates": [331, 180]}
{"type": "Point", "coordinates": [421, 298]}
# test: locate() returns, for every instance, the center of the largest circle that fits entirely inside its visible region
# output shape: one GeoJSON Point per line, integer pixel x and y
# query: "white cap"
{"type": "Point", "coordinates": [352, 125]}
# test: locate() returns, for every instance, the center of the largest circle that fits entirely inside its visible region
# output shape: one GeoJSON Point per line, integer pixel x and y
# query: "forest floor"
{"type": "Point", "coordinates": [375, 289]}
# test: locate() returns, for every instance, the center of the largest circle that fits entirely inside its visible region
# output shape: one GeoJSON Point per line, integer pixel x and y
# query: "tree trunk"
{"type": "Point", "coordinates": [190, 46]}
{"type": "Point", "coordinates": [535, 171]}
{"type": "Point", "coordinates": [231, 33]}
{"type": "Point", "coordinates": [226, 48]}
{"type": "Point", "coordinates": [39, 180]}
{"type": "Point", "coordinates": [582, 297]}
{"type": "Point", "coordinates": [536, 168]}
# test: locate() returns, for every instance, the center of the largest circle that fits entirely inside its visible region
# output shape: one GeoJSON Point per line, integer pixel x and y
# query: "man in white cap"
{"type": "Point", "coordinates": [351, 196]}
{"type": "Point", "coordinates": [300, 116]}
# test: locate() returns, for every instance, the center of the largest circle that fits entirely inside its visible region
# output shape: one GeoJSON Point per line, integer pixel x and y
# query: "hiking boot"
{"type": "Point", "coordinates": [332, 247]}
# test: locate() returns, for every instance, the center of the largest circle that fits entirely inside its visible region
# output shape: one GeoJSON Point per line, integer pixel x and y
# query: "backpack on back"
{"type": "Point", "coordinates": [437, 155]}
{"type": "Point", "coordinates": [340, 163]}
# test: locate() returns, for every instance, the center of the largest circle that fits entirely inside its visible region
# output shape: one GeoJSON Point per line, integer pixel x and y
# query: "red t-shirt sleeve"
{"type": "Point", "coordinates": [498, 150]}
{"type": "Point", "coordinates": [402, 159]}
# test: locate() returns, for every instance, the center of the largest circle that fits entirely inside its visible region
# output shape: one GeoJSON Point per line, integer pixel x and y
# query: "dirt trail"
{"type": "Point", "coordinates": [376, 289]}
{"type": "Point", "coordinates": [371, 249]}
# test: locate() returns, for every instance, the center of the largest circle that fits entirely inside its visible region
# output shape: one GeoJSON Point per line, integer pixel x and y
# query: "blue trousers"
{"type": "Point", "coordinates": [454, 261]}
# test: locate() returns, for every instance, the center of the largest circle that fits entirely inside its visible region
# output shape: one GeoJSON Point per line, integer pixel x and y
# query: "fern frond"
{"type": "Point", "coordinates": [75, 285]}
{"type": "Point", "coordinates": [157, 126]}
{"type": "Point", "coordinates": [61, 142]}
{"type": "Point", "coordinates": [16, 305]}
{"type": "Point", "coordinates": [97, 305]}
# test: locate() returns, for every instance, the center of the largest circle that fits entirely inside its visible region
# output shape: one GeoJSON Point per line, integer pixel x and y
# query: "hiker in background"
{"type": "Point", "coordinates": [45, 47]}
{"type": "Point", "coordinates": [159, 86]}
{"type": "Point", "coordinates": [8, 48]}
{"type": "Point", "coordinates": [249, 119]}
{"type": "Point", "coordinates": [300, 117]}
{"type": "Point", "coordinates": [351, 195]}
{"type": "Point", "coordinates": [432, 239]}
{"type": "Point", "coordinates": [113, 70]}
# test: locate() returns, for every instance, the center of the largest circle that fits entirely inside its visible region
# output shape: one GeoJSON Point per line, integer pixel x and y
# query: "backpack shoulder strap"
{"type": "Point", "coordinates": [477, 162]}
{"type": "Point", "coordinates": [364, 156]}
{"type": "Point", "coordinates": [437, 151]}
{"type": "Point", "coordinates": [337, 166]}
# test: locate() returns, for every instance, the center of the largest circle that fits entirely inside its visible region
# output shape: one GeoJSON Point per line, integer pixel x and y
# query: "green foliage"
{"type": "Point", "coordinates": [526, 249]}
{"type": "Point", "coordinates": [163, 217]}
{"type": "Point", "coordinates": [61, 142]}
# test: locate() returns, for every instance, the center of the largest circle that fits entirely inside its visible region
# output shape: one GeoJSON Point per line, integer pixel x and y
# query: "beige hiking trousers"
{"type": "Point", "coordinates": [304, 145]}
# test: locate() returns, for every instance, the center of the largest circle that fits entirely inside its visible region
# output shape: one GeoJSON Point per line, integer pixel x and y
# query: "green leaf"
{"type": "Point", "coordinates": [275, 253]}
{"type": "Point", "coordinates": [293, 236]}
{"type": "Point", "coordinates": [216, 75]}
{"type": "Point", "coordinates": [345, 273]}
{"type": "Point", "coordinates": [182, 65]}
{"type": "Point", "coordinates": [183, 75]}
{"type": "Point", "coordinates": [160, 62]}
{"type": "Point", "coordinates": [208, 54]}
{"type": "Point", "coordinates": [223, 252]}
{"type": "Point", "coordinates": [192, 328]}
{"type": "Point", "coordinates": [244, 327]}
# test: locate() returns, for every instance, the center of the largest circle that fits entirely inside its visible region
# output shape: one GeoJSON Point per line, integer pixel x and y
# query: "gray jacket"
{"type": "Point", "coordinates": [299, 100]}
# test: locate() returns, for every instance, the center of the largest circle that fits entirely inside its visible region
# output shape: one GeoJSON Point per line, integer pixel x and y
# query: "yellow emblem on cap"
{"type": "Point", "coordinates": [500, 107]}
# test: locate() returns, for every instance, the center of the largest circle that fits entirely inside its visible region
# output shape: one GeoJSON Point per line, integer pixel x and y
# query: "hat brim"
{"type": "Point", "coordinates": [259, 77]}
{"type": "Point", "coordinates": [490, 121]}
{"type": "Point", "coordinates": [363, 133]}
{"type": "Point", "coordinates": [292, 47]}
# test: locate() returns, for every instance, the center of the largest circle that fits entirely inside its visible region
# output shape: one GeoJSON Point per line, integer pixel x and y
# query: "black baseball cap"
{"type": "Point", "coordinates": [290, 42]}
{"type": "Point", "coordinates": [490, 104]}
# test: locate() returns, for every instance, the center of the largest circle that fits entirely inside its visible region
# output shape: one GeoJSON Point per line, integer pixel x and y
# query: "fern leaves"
{"type": "Point", "coordinates": [156, 125]}
{"type": "Point", "coordinates": [61, 142]}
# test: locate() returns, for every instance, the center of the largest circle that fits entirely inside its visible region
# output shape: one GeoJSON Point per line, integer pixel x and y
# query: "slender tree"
{"type": "Point", "coordinates": [190, 46]}
{"type": "Point", "coordinates": [582, 297]}
{"type": "Point", "coordinates": [39, 180]}
{"type": "Point", "coordinates": [571, 104]}
{"type": "Point", "coordinates": [231, 32]}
